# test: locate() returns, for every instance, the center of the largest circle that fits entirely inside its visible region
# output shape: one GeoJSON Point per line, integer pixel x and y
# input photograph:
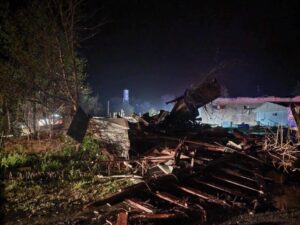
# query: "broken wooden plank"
{"type": "Point", "coordinates": [135, 203]}
{"type": "Point", "coordinates": [122, 218]}
{"type": "Point", "coordinates": [219, 187]}
{"type": "Point", "coordinates": [132, 190]}
{"type": "Point", "coordinates": [171, 199]}
{"type": "Point", "coordinates": [241, 167]}
{"type": "Point", "coordinates": [207, 197]}
{"type": "Point", "coordinates": [119, 196]}
{"type": "Point", "coordinates": [236, 174]}
{"type": "Point", "coordinates": [157, 216]}
{"type": "Point", "coordinates": [251, 171]}
{"type": "Point", "coordinates": [158, 158]}
{"type": "Point", "coordinates": [204, 159]}
{"type": "Point", "coordinates": [200, 144]}
{"type": "Point", "coordinates": [234, 145]}
{"type": "Point", "coordinates": [227, 180]}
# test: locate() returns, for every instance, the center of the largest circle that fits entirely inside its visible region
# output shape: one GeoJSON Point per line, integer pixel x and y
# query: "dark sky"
{"type": "Point", "coordinates": [158, 47]}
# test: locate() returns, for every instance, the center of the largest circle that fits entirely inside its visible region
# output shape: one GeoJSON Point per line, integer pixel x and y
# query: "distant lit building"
{"type": "Point", "coordinates": [270, 114]}
{"type": "Point", "coordinates": [265, 111]}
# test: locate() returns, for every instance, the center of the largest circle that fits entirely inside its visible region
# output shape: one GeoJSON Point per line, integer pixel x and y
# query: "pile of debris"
{"type": "Point", "coordinates": [196, 196]}
{"type": "Point", "coordinates": [193, 173]}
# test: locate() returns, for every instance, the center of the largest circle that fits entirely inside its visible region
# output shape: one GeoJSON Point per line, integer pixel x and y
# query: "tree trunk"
{"type": "Point", "coordinates": [8, 118]}
{"type": "Point", "coordinates": [34, 120]}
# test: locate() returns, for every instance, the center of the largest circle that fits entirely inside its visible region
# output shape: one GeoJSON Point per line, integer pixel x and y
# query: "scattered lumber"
{"type": "Point", "coordinates": [210, 170]}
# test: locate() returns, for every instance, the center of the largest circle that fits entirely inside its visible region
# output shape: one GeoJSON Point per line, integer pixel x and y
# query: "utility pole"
{"type": "Point", "coordinates": [108, 113]}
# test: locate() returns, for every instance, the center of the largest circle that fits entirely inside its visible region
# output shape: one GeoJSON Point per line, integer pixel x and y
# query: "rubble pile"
{"type": "Point", "coordinates": [193, 173]}
{"type": "Point", "coordinates": [223, 185]}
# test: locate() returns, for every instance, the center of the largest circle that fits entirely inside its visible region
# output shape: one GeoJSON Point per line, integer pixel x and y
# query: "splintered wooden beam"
{"type": "Point", "coordinates": [119, 196]}
{"type": "Point", "coordinates": [204, 145]}
{"type": "Point", "coordinates": [241, 167]}
{"type": "Point", "coordinates": [207, 197]}
{"type": "Point", "coordinates": [220, 188]}
{"type": "Point", "coordinates": [133, 191]}
{"type": "Point", "coordinates": [157, 216]}
{"type": "Point", "coordinates": [237, 174]}
{"type": "Point", "coordinates": [135, 203]}
{"type": "Point", "coordinates": [252, 158]}
{"type": "Point", "coordinates": [251, 171]}
{"type": "Point", "coordinates": [237, 184]}
{"type": "Point", "coordinates": [157, 159]}
{"type": "Point", "coordinates": [205, 159]}
{"type": "Point", "coordinates": [171, 199]}
{"type": "Point", "coordinates": [207, 146]}
{"type": "Point", "coordinates": [122, 218]}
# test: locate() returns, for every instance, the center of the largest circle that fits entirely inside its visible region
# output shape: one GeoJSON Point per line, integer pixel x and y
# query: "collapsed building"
{"type": "Point", "coordinates": [193, 173]}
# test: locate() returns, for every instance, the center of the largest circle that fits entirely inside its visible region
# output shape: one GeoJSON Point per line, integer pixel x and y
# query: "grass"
{"type": "Point", "coordinates": [14, 160]}
{"type": "Point", "coordinates": [80, 184]}
{"type": "Point", "coordinates": [40, 185]}
{"type": "Point", "coordinates": [66, 158]}
{"type": "Point", "coordinates": [12, 185]}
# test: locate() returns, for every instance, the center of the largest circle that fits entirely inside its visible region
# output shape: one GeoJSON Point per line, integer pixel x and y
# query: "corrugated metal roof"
{"type": "Point", "coordinates": [258, 100]}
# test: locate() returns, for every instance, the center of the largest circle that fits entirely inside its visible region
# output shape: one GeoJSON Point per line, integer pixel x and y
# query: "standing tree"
{"type": "Point", "coordinates": [40, 69]}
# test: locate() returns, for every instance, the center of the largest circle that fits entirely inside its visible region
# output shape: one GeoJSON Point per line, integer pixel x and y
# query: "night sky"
{"type": "Point", "coordinates": [161, 47]}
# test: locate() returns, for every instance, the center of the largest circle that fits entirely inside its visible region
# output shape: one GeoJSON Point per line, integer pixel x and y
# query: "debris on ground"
{"type": "Point", "coordinates": [194, 173]}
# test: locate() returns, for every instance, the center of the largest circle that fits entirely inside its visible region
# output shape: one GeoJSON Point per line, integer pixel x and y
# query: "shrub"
{"type": "Point", "coordinates": [14, 160]}
{"type": "Point", "coordinates": [90, 145]}
{"type": "Point", "coordinates": [49, 164]}
{"type": "Point", "coordinates": [68, 151]}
